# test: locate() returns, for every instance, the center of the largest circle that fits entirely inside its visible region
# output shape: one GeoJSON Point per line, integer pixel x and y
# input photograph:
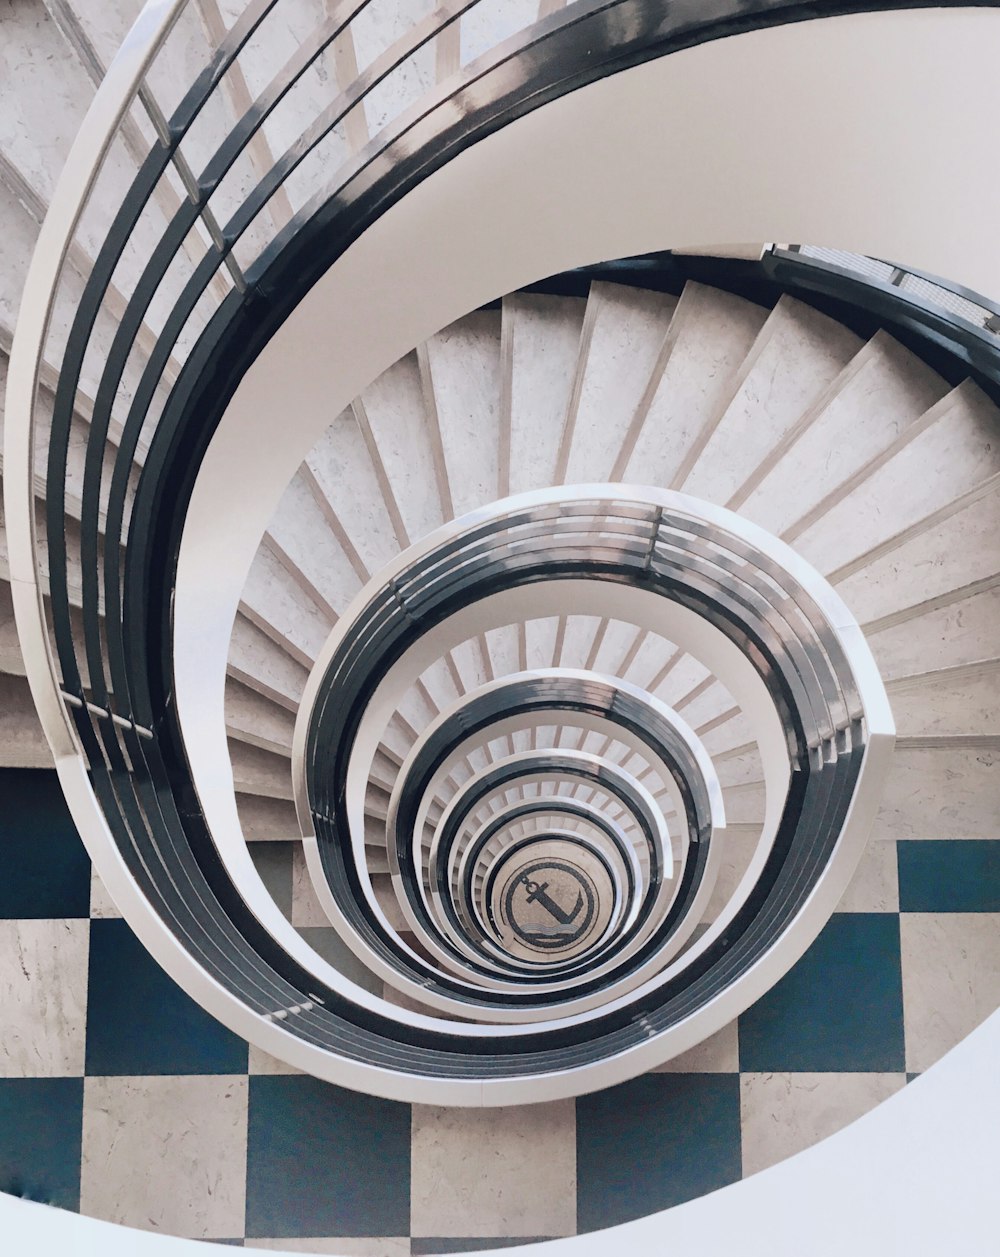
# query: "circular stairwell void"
{"type": "Point", "coordinates": [682, 572]}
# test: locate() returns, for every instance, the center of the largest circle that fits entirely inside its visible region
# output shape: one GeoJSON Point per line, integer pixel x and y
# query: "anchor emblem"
{"type": "Point", "coordinates": [538, 893]}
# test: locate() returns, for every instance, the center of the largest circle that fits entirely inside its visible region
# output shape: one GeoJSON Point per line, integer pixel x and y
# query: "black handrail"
{"type": "Point", "coordinates": [147, 797]}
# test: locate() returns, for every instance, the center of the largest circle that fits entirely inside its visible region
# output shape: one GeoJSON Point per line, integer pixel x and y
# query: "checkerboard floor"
{"type": "Point", "coordinates": [121, 1098]}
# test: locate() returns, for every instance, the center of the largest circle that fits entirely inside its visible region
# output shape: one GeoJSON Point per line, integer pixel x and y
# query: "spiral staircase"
{"type": "Point", "coordinates": [588, 643]}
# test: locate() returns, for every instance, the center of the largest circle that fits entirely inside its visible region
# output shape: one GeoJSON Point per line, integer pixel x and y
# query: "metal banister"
{"type": "Point", "coordinates": [120, 729]}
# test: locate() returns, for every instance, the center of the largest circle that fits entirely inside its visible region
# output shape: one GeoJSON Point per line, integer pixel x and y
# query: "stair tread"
{"type": "Point", "coordinates": [544, 342]}
{"type": "Point", "coordinates": [795, 359]}
{"type": "Point", "coordinates": [257, 771]}
{"type": "Point", "coordinates": [890, 389]}
{"type": "Point", "coordinates": [959, 633]}
{"type": "Point", "coordinates": [711, 333]}
{"type": "Point", "coordinates": [277, 602]}
{"type": "Point", "coordinates": [951, 791]}
{"type": "Point", "coordinates": [626, 331]}
{"type": "Point", "coordinates": [302, 529]}
{"type": "Point", "coordinates": [343, 468]}
{"type": "Point", "coordinates": [956, 552]}
{"type": "Point", "coordinates": [395, 410]}
{"type": "Point", "coordinates": [464, 362]}
{"type": "Point", "coordinates": [253, 718]}
{"type": "Point", "coordinates": [953, 454]}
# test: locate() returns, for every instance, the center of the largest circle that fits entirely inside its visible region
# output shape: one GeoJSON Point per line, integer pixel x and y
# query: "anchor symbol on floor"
{"type": "Point", "coordinates": [537, 893]}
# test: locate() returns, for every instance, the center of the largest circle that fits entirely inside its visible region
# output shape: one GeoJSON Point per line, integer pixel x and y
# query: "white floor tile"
{"type": "Point", "coordinates": [166, 1154]}
{"type": "Point", "coordinates": [43, 998]}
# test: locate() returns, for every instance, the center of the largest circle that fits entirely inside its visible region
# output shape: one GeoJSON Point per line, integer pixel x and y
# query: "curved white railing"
{"type": "Point", "coordinates": [54, 692]}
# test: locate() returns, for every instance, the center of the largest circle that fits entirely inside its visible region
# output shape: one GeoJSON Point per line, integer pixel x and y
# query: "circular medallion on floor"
{"type": "Point", "coordinates": [552, 901]}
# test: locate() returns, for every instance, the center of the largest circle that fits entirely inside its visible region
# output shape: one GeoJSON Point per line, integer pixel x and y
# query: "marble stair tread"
{"type": "Point", "coordinates": [741, 842]}
{"type": "Point", "coordinates": [929, 561]}
{"type": "Point", "coordinates": [22, 742]}
{"type": "Point", "coordinates": [313, 549]}
{"type": "Point", "coordinates": [796, 358]}
{"type": "Point", "coordinates": [463, 363]}
{"type": "Point", "coordinates": [744, 803]}
{"type": "Point", "coordinates": [266, 819]}
{"type": "Point", "coordinates": [377, 28]}
{"type": "Point", "coordinates": [726, 732]}
{"type": "Point", "coordinates": [962, 701]}
{"type": "Point", "coordinates": [385, 896]}
{"type": "Point", "coordinates": [404, 444]}
{"type": "Point", "coordinates": [541, 337]}
{"type": "Point", "coordinates": [623, 335]}
{"type": "Point", "coordinates": [280, 606]}
{"type": "Point", "coordinates": [25, 191]}
{"type": "Point", "coordinates": [959, 632]}
{"type": "Point", "coordinates": [11, 660]}
{"type": "Point", "coordinates": [259, 662]}
{"type": "Point", "coordinates": [951, 456]}
{"type": "Point", "coordinates": [947, 791]}
{"type": "Point", "coordinates": [256, 771]}
{"type": "Point", "coordinates": [257, 720]}
{"type": "Point", "coordinates": [889, 389]}
{"type": "Point", "coordinates": [489, 23]}
{"type": "Point", "coordinates": [341, 463]}
{"type": "Point", "coordinates": [709, 337]}
{"type": "Point", "coordinates": [71, 531]}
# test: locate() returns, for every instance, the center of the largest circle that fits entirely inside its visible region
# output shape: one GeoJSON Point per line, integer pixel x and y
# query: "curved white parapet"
{"type": "Point", "coordinates": [511, 190]}
{"type": "Point", "coordinates": [916, 1177]}
{"type": "Point", "coordinates": [773, 141]}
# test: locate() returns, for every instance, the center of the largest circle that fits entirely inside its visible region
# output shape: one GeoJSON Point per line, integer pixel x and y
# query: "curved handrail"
{"type": "Point", "coordinates": [120, 727]}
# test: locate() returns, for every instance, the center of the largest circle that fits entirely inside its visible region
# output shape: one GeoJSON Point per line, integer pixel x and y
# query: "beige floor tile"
{"type": "Point", "coordinates": [166, 1154]}
{"type": "Point", "coordinates": [719, 1054]}
{"type": "Point", "coordinates": [951, 979]}
{"type": "Point", "coordinates": [261, 1062]}
{"type": "Point", "coordinates": [875, 885]}
{"type": "Point", "coordinates": [101, 903]}
{"type": "Point", "coordinates": [43, 998]}
{"type": "Point", "coordinates": [503, 1172]}
{"type": "Point", "coordinates": [782, 1114]}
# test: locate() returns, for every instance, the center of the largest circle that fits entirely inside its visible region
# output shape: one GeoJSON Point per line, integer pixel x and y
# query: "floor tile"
{"type": "Point", "coordinates": [324, 1161]}
{"type": "Point", "coordinates": [950, 875]}
{"type": "Point", "coordinates": [380, 1246]}
{"type": "Point", "coordinates": [43, 997]}
{"type": "Point", "coordinates": [140, 1022]}
{"type": "Point", "coordinates": [273, 861]}
{"type": "Point", "coordinates": [654, 1142]}
{"type": "Point", "coordinates": [930, 793]}
{"type": "Point", "coordinates": [46, 868]}
{"type": "Point", "coordinates": [261, 1062]}
{"type": "Point", "coordinates": [951, 979]}
{"type": "Point", "coordinates": [166, 1154]}
{"type": "Point", "coordinates": [719, 1054]}
{"type": "Point", "coordinates": [840, 1009]}
{"type": "Point", "coordinates": [782, 1114]}
{"type": "Point", "coordinates": [40, 1139]}
{"type": "Point", "coordinates": [873, 888]}
{"type": "Point", "coordinates": [509, 1171]}
{"type": "Point", "coordinates": [101, 903]}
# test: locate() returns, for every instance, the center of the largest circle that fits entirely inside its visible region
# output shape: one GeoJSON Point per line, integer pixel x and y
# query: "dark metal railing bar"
{"type": "Point", "coordinates": [375, 74]}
